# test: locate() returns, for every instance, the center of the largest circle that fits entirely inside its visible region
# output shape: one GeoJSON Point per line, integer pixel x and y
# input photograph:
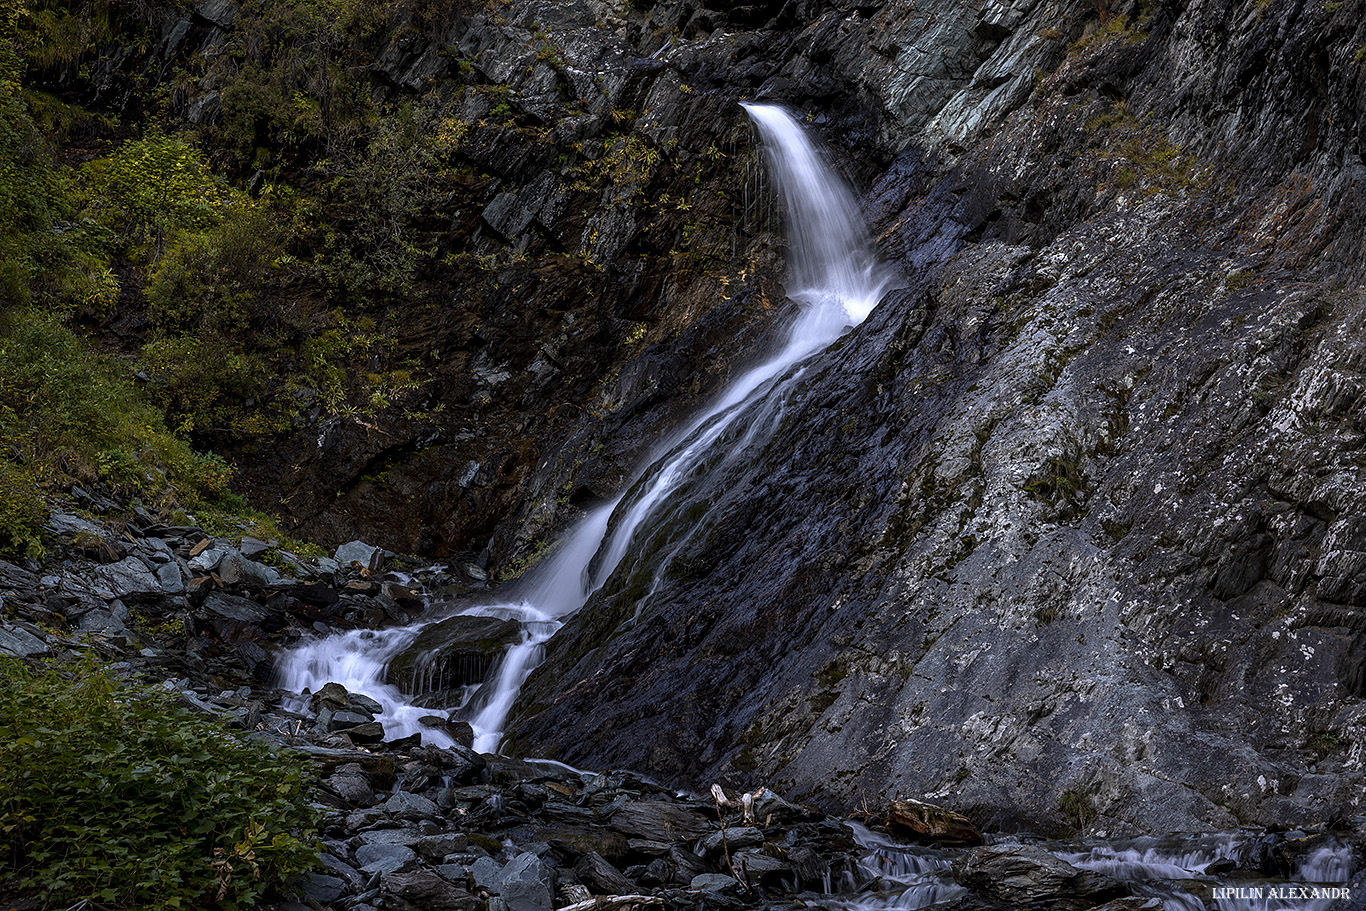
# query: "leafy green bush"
{"type": "Point", "coordinates": [21, 513]}
{"type": "Point", "coordinates": [151, 188]}
{"type": "Point", "coordinates": [112, 792]}
{"type": "Point", "coordinates": [65, 414]}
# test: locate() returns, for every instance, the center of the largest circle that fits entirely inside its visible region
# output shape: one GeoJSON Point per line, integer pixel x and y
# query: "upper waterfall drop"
{"type": "Point", "coordinates": [831, 262]}
{"type": "Point", "coordinates": [834, 278]}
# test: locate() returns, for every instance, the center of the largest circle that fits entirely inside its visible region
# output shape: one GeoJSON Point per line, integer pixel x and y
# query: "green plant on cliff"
{"type": "Point", "coordinates": [111, 792]}
{"type": "Point", "coordinates": [1076, 807]}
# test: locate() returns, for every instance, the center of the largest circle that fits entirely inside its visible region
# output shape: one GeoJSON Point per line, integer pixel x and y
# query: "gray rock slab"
{"type": "Point", "coordinates": [171, 579]}
{"type": "Point", "coordinates": [411, 806]}
{"type": "Point", "coordinates": [129, 579]}
{"type": "Point", "coordinates": [233, 607]}
{"type": "Point", "coordinates": [20, 642]}
{"type": "Point", "coordinates": [391, 837]}
{"type": "Point", "coordinates": [366, 555]}
{"type": "Point", "coordinates": [385, 858]}
{"type": "Point", "coordinates": [526, 884]}
{"type": "Point", "coordinates": [713, 882]}
{"type": "Point", "coordinates": [323, 888]}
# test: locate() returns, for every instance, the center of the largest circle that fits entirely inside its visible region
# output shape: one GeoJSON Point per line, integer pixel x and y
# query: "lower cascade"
{"type": "Point", "coordinates": [836, 283]}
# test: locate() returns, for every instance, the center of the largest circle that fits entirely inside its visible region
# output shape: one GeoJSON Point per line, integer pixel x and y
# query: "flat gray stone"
{"type": "Point", "coordinates": [734, 837]}
{"type": "Point", "coordinates": [391, 837]}
{"type": "Point", "coordinates": [20, 642]}
{"type": "Point", "coordinates": [488, 873]}
{"type": "Point", "coordinates": [64, 523]}
{"type": "Point", "coordinates": [129, 579]}
{"type": "Point", "coordinates": [171, 579]}
{"type": "Point", "coordinates": [322, 888]}
{"type": "Point", "coordinates": [254, 547]}
{"type": "Point", "coordinates": [411, 806]}
{"type": "Point", "coordinates": [341, 721]}
{"type": "Point", "coordinates": [101, 621]}
{"type": "Point", "coordinates": [526, 884]}
{"type": "Point", "coordinates": [236, 569]}
{"type": "Point", "coordinates": [366, 555]}
{"type": "Point", "coordinates": [385, 858]}
{"type": "Point", "coordinates": [436, 847]}
{"type": "Point", "coordinates": [207, 560]}
{"type": "Point", "coordinates": [713, 882]}
{"type": "Point", "coordinates": [233, 607]}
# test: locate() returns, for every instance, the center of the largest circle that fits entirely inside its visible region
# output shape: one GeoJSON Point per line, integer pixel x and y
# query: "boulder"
{"type": "Point", "coordinates": [129, 580]}
{"type": "Point", "coordinates": [1029, 876]}
{"type": "Point", "coordinates": [406, 805]}
{"type": "Point", "coordinates": [423, 889]}
{"type": "Point", "coordinates": [383, 858]}
{"type": "Point", "coordinates": [234, 607]}
{"type": "Point", "coordinates": [659, 820]}
{"type": "Point", "coordinates": [928, 823]}
{"type": "Point", "coordinates": [451, 654]}
{"type": "Point", "coordinates": [526, 884]}
{"type": "Point", "coordinates": [19, 642]}
{"type": "Point", "coordinates": [732, 839]}
{"type": "Point", "coordinates": [236, 569]}
{"type": "Point", "coordinates": [601, 878]}
{"type": "Point", "coordinates": [367, 555]}
{"type": "Point", "coordinates": [714, 882]}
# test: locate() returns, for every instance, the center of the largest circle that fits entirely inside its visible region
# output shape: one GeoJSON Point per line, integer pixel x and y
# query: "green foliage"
{"type": "Point", "coordinates": [112, 792]}
{"type": "Point", "coordinates": [148, 189]}
{"type": "Point", "coordinates": [66, 414]}
{"type": "Point", "coordinates": [211, 281]}
{"type": "Point", "coordinates": [21, 513]}
{"type": "Point", "coordinates": [340, 365]}
{"type": "Point", "coordinates": [57, 268]}
{"type": "Point", "coordinates": [1076, 806]}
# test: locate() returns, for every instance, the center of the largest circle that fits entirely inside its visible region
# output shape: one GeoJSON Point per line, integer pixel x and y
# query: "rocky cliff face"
{"type": "Point", "coordinates": [1080, 527]}
{"type": "Point", "coordinates": [1079, 534]}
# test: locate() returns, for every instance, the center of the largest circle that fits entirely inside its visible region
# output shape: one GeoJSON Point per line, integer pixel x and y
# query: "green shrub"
{"type": "Point", "coordinates": [65, 415]}
{"type": "Point", "coordinates": [21, 513]}
{"type": "Point", "coordinates": [112, 792]}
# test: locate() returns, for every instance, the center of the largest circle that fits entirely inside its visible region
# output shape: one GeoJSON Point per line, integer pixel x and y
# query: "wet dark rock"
{"type": "Point", "coordinates": [423, 890]}
{"type": "Point", "coordinates": [1032, 877]}
{"type": "Point", "coordinates": [658, 821]}
{"type": "Point", "coordinates": [452, 653]}
{"type": "Point", "coordinates": [436, 847]}
{"type": "Point", "coordinates": [234, 607]}
{"type": "Point", "coordinates": [404, 837]}
{"type": "Point", "coordinates": [383, 858]}
{"type": "Point", "coordinates": [601, 878]}
{"type": "Point", "coordinates": [353, 789]}
{"type": "Point", "coordinates": [714, 882]}
{"type": "Point", "coordinates": [406, 805]}
{"type": "Point", "coordinates": [731, 839]}
{"type": "Point", "coordinates": [367, 555]}
{"type": "Point", "coordinates": [525, 884]}
{"type": "Point", "coordinates": [322, 888]}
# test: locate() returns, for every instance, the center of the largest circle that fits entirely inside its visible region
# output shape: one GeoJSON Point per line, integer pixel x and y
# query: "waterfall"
{"type": "Point", "coordinates": [836, 281]}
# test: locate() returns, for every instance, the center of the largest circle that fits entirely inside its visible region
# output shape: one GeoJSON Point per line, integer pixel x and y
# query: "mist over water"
{"type": "Point", "coordinates": [836, 281]}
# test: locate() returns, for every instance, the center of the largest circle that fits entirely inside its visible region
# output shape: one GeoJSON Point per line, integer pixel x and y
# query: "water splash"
{"type": "Point", "coordinates": [836, 282]}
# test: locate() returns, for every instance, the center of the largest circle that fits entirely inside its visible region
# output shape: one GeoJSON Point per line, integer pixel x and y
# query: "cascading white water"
{"type": "Point", "coordinates": [835, 280]}
{"type": "Point", "coordinates": [893, 875]}
{"type": "Point", "coordinates": [1164, 868]}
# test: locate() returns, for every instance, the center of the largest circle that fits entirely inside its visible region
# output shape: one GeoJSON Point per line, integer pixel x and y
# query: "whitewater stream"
{"type": "Point", "coordinates": [835, 279]}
